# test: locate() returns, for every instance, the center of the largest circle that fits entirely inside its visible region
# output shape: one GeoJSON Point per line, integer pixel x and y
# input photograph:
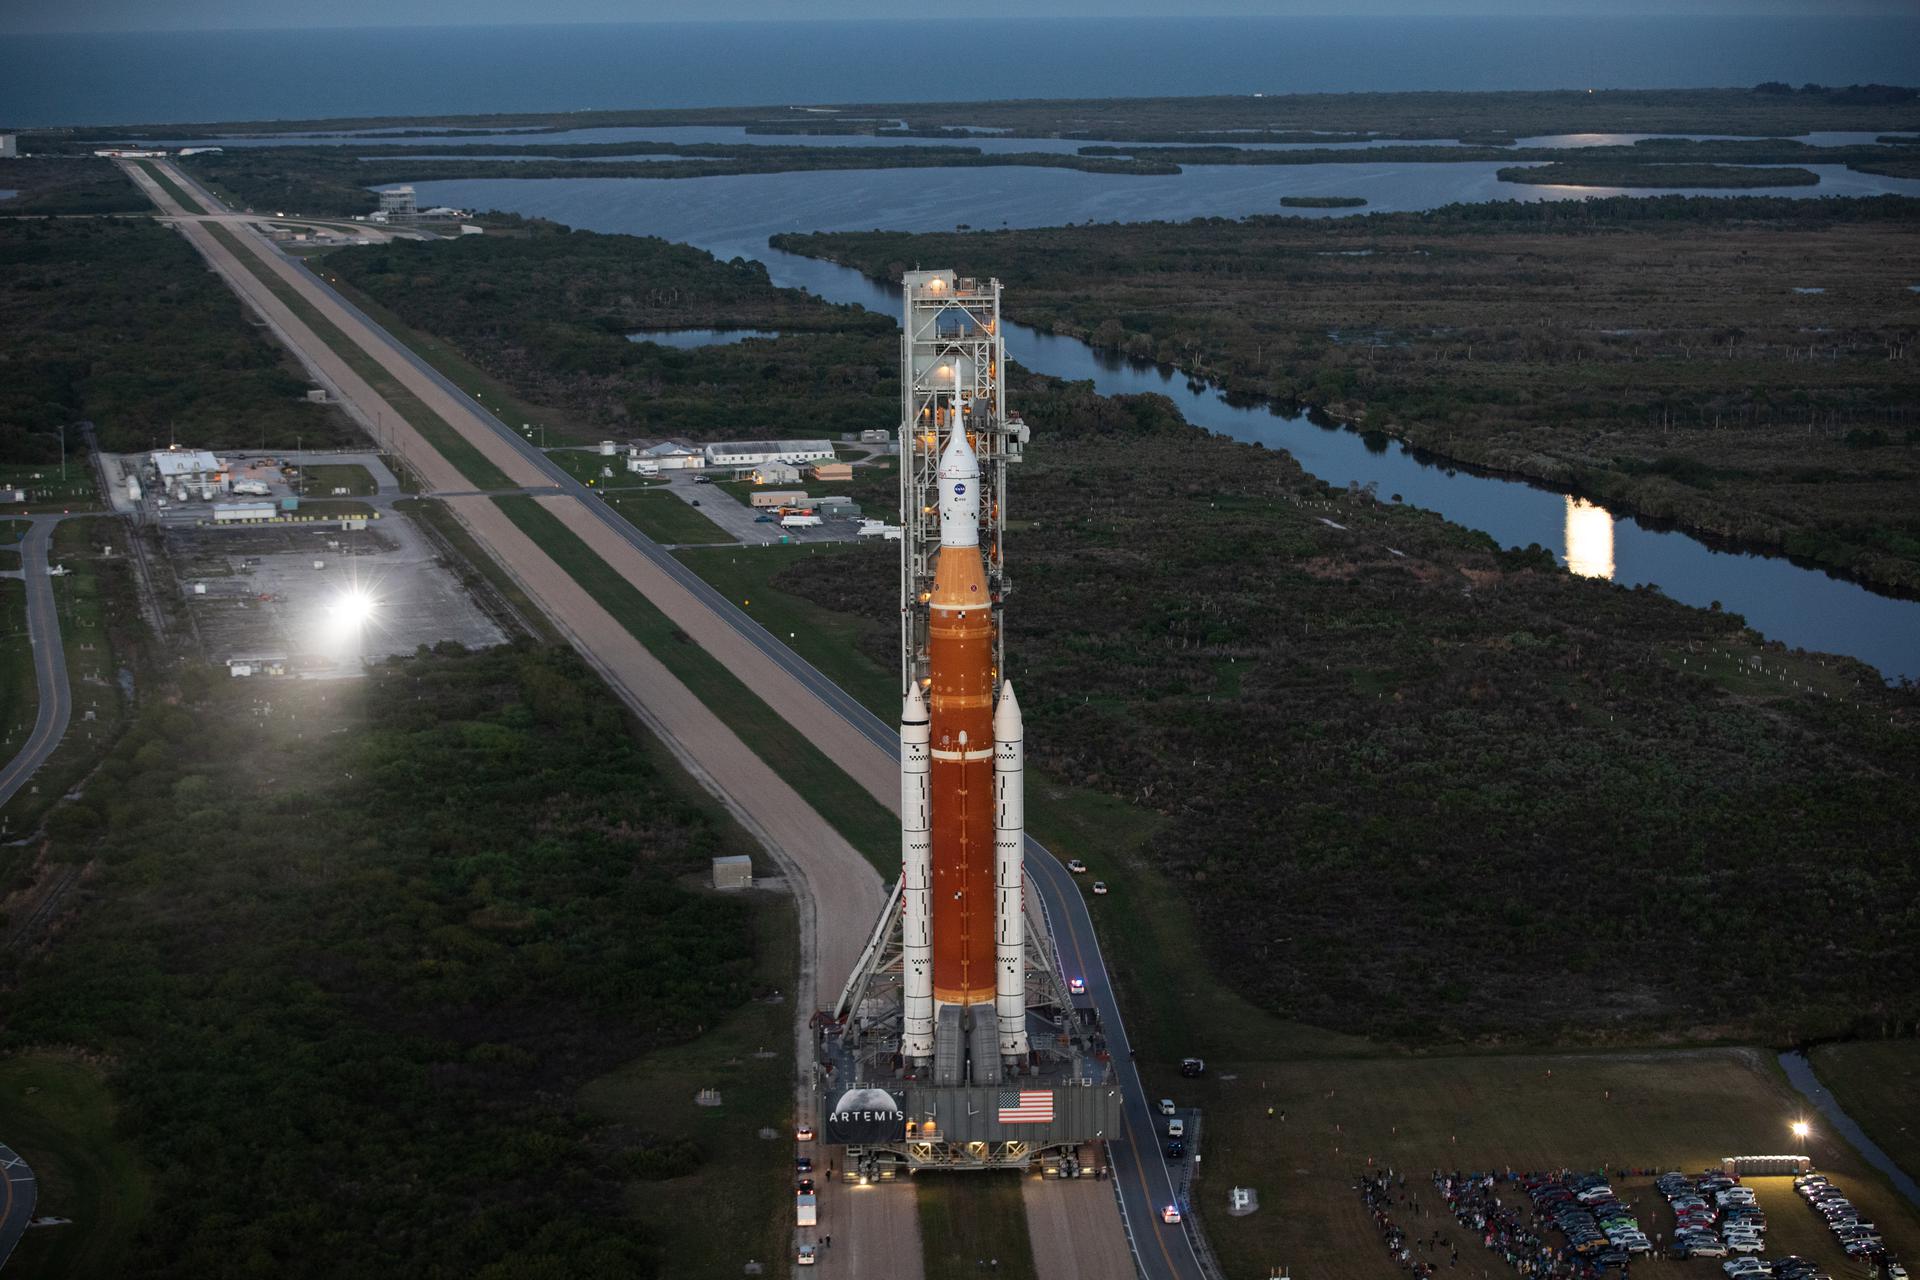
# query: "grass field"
{"type": "Point", "coordinates": [464, 456]}
{"type": "Point", "coordinates": [827, 639]}
{"type": "Point", "coordinates": [47, 488]}
{"type": "Point", "coordinates": [584, 465]}
{"type": "Point", "coordinates": [666, 518]}
{"type": "Point", "coordinates": [56, 1111]}
{"type": "Point", "coordinates": [1878, 1082]}
{"type": "Point", "coordinates": [858, 816]}
{"type": "Point", "coordinates": [1653, 1110]}
{"type": "Point", "coordinates": [11, 531]}
{"type": "Point", "coordinates": [322, 478]}
{"type": "Point", "coordinates": [18, 698]}
{"type": "Point", "coordinates": [967, 1220]}
{"type": "Point", "coordinates": [733, 1206]}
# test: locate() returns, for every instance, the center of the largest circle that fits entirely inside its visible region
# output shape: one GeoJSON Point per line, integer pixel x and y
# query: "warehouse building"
{"type": "Point", "coordinates": [670, 456]}
{"type": "Point", "coordinates": [193, 468]}
{"type": "Point", "coordinates": [831, 472]}
{"type": "Point", "coordinates": [753, 453]}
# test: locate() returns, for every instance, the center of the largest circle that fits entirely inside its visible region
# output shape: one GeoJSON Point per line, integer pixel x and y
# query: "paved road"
{"type": "Point", "coordinates": [16, 1202]}
{"type": "Point", "coordinates": [49, 661]}
{"type": "Point", "coordinates": [1164, 1252]}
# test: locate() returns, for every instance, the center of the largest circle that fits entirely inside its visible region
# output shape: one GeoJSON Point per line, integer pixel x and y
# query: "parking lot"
{"type": "Point", "coordinates": [743, 523]}
{"type": "Point", "coordinates": [1577, 1225]}
{"type": "Point", "coordinates": [316, 600]}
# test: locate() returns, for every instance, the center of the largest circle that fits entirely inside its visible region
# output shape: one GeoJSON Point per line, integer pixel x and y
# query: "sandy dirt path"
{"type": "Point", "coordinates": [1076, 1231]}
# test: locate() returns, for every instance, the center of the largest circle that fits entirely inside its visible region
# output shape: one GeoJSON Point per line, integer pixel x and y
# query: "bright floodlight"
{"type": "Point", "coordinates": [353, 607]}
{"type": "Point", "coordinates": [1799, 1128]}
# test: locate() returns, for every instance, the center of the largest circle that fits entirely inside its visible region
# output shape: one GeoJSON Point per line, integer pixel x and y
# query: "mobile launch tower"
{"type": "Point", "coordinates": [956, 1042]}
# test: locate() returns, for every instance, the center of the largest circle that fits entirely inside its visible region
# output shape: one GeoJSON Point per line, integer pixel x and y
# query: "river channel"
{"type": "Point", "coordinates": [734, 216]}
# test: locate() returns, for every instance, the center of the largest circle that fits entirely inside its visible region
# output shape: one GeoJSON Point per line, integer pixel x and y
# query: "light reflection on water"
{"type": "Point", "coordinates": [1589, 532]}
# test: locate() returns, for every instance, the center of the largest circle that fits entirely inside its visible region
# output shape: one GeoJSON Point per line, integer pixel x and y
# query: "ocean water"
{"type": "Point", "coordinates": [99, 79]}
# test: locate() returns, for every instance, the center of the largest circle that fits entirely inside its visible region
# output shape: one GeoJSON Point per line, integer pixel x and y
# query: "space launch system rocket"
{"type": "Point", "coordinates": [962, 806]}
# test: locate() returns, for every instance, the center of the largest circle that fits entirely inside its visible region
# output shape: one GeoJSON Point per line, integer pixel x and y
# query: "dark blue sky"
{"type": "Point", "coordinates": [188, 15]}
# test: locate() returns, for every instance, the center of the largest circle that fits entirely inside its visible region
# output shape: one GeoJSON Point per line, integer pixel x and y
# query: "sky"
{"type": "Point", "coordinates": [21, 16]}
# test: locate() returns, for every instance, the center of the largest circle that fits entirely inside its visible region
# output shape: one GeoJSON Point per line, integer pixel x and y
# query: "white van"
{"type": "Point", "coordinates": [1176, 1128]}
{"type": "Point", "coordinates": [806, 1211]}
{"type": "Point", "coordinates": [1166, 1106]}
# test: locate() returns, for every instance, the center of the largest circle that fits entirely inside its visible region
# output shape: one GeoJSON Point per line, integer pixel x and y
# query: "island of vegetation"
{"type": "Point", "coordinates": [1602, 173]}
{"type": "Point", "coordinates": [1764, 111]}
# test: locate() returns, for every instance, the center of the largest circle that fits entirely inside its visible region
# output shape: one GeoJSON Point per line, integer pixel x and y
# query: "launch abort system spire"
{"type": "Point", "coordinates": [957, 1043]}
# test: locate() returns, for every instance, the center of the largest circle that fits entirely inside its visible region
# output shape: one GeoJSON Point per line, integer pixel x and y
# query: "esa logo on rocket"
{"type": "Point", "coordinates": [865, 1115]}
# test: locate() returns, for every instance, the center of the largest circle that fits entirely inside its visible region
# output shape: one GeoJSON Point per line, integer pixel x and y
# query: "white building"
{"type": "Point", "coordinates": [734, 871]}
{"type": "Point", "coordinates": [776, 473]}
{"type": "Point", "coordinates": [9, 146]}
{"type": "Point", "coordinates": [751, 453]}
{"type": "Point", "coordinates": [237, 512]}
{"type": "Point", "coordinates": [191, 467]}
{"type": "Point", "coordinates": [668, 456]}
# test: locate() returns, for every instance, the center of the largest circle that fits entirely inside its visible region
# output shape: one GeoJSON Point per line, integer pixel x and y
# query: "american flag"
{"type": "Point", "coordinates": [1028, 1106]}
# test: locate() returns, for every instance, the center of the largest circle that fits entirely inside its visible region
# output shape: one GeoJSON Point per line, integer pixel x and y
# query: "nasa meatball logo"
{"type": "Point", "coordinates": [959, 489]}
{"type": "Point", "coordinates": [866, 1115]}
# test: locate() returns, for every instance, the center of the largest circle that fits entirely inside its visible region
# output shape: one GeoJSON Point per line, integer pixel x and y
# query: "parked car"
{"type": "Point", "coordinates": [803, 1134]}
{"type": "Point", "coordinates": [1176, 1149]}
{"type": "Point", "coordinates": [756, 519]}
{"type": "Point", "coordinates": [1166, 1107]}
{"type": "Point", "coordinates": [803, 1164]}
{"type": "Point", "coordinates": [1193, 1068]}
{"type": "Point", "coordinates": [808, 1255]}
{"type": "Point", "coordinates": [1078, 986]}
{"type": "Point", "coordinates": [1099, 888]}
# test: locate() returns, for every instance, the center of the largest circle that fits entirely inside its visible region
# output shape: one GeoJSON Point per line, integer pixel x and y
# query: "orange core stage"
{"type": "Point", "coordinates": [960, 708]}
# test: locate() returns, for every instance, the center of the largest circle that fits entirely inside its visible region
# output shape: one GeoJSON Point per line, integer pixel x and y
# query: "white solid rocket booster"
{"type": "Point", "coordinates": [916, 861]}
{"type": "Point", "coordinates": [1009, 841]}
